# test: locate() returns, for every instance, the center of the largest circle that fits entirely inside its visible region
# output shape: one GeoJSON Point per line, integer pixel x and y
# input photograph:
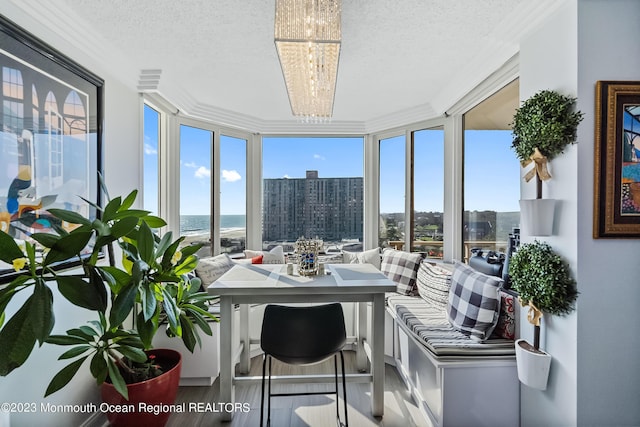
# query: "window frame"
{"type": "Point", "coordinates": [258, 176]}
{"type": "Point", "coordinates": [374, 155]}
{"type": "Point", "coordinates": [451, 121]}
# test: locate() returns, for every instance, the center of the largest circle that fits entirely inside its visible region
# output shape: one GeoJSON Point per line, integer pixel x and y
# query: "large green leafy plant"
{"type": "Point", "coordinates": [543, 281]}
{"type": "Point", "coordinates": [546, 121]}
{"type": "Point", "coordinates": [151, 287]}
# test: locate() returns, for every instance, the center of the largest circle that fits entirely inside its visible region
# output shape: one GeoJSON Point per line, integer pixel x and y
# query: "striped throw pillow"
{"type": "Point", "coordinates": [433, 284]}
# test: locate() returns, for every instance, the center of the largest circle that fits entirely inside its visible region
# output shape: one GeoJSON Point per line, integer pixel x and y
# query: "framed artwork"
{"type": "Point", "coordinates": [50, 136]}
{"type": "Point", "coordinates": [617, 160]}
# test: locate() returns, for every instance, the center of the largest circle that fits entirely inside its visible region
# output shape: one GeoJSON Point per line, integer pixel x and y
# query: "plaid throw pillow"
{"type": "Point", "coordinates": [474, 302]}
{"type": "Point", "coordinates": [402, 268]}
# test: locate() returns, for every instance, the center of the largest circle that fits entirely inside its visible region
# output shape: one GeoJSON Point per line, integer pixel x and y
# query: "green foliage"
{"type": "Point", "coordinates": [151, 285]}
{"type": "Point", "coordinates": [538, 274]}
{"type": "Point", "coordinates": [545, 121]}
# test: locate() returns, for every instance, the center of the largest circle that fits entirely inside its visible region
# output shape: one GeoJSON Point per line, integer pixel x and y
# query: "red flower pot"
{"type": "Point", "coordinates": [150, 402]}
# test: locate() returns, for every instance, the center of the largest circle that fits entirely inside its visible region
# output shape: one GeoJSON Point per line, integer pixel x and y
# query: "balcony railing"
{"type": "Point", "coordinates": [433, 248]}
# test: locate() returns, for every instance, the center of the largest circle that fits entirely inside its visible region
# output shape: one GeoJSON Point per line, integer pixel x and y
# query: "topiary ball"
{"type": "Point", "coordinates": [545, 121]}
{"type": "Point", "coordinates": [540, 275]}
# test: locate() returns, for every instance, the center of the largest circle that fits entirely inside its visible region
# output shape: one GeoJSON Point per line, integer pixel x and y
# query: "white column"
{"type": "Point", "coordinates": [377, 356]}
{"type": "Point", "coordinates": [245, 355]}
{"type": "Point", "coordinates": [226, 354]}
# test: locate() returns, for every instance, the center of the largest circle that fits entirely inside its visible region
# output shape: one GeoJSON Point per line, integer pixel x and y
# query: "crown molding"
{"type": "Point", "coordinates": [404, 117]}
{"type": "Point", "coordinates": [485, 68]}
{"type": "Point", "coordinates": [253, 124]}
{"type": "Point", "coordinates": [149, 80]}
{"type": "Point", "coordinates": [504, 75]}
{"type": "Point", "coordinates": [65, 23]}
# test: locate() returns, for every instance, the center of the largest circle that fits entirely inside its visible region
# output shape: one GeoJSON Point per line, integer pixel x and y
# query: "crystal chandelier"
{"type": "Point", "coordinates": [307, 38]}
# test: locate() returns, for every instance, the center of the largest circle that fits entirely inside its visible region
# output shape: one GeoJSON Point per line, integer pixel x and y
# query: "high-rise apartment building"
{"type": "Point", "coordinates": [328, 208]}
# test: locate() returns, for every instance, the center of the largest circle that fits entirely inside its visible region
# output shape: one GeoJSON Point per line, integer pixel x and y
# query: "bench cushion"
{"type": "Point", "coordinates": [431, 328]}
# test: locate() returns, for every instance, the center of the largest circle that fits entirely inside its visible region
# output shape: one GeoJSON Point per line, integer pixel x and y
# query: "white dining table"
{"type": "Point", "coordinates": [248, 284]}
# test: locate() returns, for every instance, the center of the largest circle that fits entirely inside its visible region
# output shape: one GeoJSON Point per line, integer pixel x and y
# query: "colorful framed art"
{"type": "Point", "coordinates": [617, 160]}
{"type": "Point", "coordinates": [50, 136]}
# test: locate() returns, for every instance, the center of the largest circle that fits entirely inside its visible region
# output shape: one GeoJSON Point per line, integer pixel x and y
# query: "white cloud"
{"type": "Point", "coordinates": [231, 176]}
{"type": "Point", "coordinates": [202, 172]}
{"type": "Point", "coordinates": [285, 176]}
{"type": "Point", "coordinates": [149, 149]}
{"type": "Point", "coordinates": [190, 165]}
{"type": "Point", "coordinates": [319, 157]}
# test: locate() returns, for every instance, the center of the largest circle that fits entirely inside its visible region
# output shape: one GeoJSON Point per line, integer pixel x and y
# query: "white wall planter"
{"type": "Point", "coordinates": [533, 367]}
{"type": "Point", "coordinates": [536, 216]}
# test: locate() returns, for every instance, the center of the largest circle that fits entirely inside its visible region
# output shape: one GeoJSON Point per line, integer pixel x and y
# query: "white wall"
{"type": "Point", "coordinates": [548, 60]}
{"type": "Point", "coordinates": [121, 167]}
{"type": "Point", "coordinates": [608, 270]}
{"type": "Point", "coordinates": [595, 371]}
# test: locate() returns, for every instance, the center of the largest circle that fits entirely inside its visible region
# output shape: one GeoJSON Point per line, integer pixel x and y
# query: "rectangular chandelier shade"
{"type": "Point", "coordinates": [307, 38]}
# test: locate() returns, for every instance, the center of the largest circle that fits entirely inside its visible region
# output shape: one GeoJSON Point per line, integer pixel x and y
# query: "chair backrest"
{"type": "Point", "coordinates": [302, 335]}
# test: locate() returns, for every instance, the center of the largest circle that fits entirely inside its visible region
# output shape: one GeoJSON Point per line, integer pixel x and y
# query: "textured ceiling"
{"type": "Point", "coordinates": [219, 56]}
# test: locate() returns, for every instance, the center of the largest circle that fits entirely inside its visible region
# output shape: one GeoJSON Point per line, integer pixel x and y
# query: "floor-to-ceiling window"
{"type": "Point", "coordinates": [150, 158]}
{"type": "Point", "coordinates": [391, 223]}
{"type": "Point", "coordinates": [428, 192]}
{"type": "Point", "coordinates": [313, 187]}
{"type": "Point", "coordinates": [196, 186]}
{"type": "Point", "coordinates": [233, 194]}
{"type": "Point", "coordinates": [491, 173]}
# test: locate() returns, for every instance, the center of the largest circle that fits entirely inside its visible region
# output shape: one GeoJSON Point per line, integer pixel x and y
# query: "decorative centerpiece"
{"type": "Point", "coordinates": [307, 251]}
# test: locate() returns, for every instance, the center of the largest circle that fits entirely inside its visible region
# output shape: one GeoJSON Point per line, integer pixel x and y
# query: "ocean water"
{"type": "Point", "coordinates": [198, 223]}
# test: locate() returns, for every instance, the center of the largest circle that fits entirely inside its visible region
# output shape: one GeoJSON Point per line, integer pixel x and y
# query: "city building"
{"type": "Point", "coordinates": [328, 208]}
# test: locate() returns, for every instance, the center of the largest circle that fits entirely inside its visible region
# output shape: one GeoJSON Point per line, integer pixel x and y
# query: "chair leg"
{"type": "Point", "coordinates": [344, 391]}
{"type": "Point", "coordinates": [269, 404]}
{"type": "Point", "coordinates": [335, 370]}
{"type": "Point", "coordinates": [264, 365]}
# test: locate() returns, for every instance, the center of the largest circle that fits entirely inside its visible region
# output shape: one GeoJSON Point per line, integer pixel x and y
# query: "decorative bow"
{"type": "Point", "coordinates": [539, 168]}
{"type": "Point", "coordinates": [534, 314]}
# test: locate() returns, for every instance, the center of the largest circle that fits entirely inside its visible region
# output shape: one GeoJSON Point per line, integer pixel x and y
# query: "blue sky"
{"type": "Point", "coordinates": [492, 170]}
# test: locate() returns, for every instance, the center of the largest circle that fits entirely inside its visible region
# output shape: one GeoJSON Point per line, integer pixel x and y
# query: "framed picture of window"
{"type": "Point", "coordinates": [617, 160]}
{"type": "Point", "coordinates": [50, 136]}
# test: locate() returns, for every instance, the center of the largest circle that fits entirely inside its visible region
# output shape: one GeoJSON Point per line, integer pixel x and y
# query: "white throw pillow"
{"type": "Point", "coordinates": [372, 256]}
{"type": "Point", "coordinates": [274, 256]}
{"type": "Point", "coordinates": [210, 269]}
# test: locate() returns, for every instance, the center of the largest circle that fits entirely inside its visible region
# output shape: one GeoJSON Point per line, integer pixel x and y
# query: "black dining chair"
{"type": "Point", "coordinates": [303, 336]}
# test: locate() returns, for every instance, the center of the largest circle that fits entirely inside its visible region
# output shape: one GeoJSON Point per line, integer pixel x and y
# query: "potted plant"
{"type": "Point", "coordinates": [544, 284]}
{"type": "Point", "coordinates": [542, 127]}
{"type": "Point", "coordinates": [150, 286]}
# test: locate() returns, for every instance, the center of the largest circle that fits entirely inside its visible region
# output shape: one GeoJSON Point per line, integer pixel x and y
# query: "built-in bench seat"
{"type": "Point", "coordinates": [431, 327]}
{"type": "Point", "coordinates": [457, 375]}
